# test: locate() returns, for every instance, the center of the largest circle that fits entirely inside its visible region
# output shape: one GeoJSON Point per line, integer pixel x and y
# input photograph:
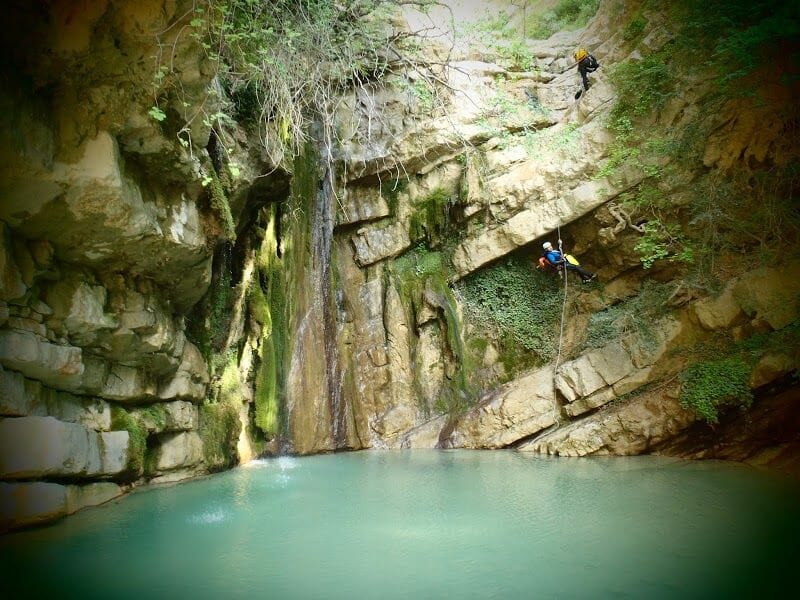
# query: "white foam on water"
{"type": "Point", "coordinates": [284, 463]}
{"type": "Point", "coordinates": [208, 517]}
{"type": "Point", "coordinates": [287, 462]}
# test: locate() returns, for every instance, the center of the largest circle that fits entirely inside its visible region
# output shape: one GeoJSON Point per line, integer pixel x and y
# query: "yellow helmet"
{"type": "Point", "coordinates": [580, 54]}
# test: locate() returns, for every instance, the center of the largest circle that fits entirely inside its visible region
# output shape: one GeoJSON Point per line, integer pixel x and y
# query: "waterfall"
{"type": "Point", "coordinates": [322, 244]}
{"type": "Point", "coordinates": [317, 412]}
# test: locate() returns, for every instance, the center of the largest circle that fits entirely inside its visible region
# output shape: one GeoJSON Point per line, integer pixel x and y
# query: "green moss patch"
{"type": "Point", "coordinates": [219, 430]}
{"type": "Point", "coordinates": [430, 217]}
{"type": "Point", "coordinates": [122, 420]}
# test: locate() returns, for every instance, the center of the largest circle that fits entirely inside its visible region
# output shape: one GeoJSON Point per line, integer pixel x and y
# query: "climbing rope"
{"type": "Point", "coordinates": [556, 411]}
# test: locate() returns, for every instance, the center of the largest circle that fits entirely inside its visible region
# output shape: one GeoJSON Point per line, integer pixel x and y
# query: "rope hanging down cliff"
{"type": "Point", "coordinates": [556, 411]}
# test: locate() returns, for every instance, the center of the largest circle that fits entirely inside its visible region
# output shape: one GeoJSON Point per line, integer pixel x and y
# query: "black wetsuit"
{"type": "Point", "coordinates": [589, 64]}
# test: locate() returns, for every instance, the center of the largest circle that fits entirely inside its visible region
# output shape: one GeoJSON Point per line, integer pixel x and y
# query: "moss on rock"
{"type": "Point", "coordinates": [122, 420]}
{"type": "Point", "coordinates": [219, 430]}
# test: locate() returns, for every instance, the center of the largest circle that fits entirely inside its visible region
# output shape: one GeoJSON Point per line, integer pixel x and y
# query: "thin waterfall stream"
{"type": "Point", "coordinates": [323, 242]}
{"type": "Point", "coordinates": [318, 411]}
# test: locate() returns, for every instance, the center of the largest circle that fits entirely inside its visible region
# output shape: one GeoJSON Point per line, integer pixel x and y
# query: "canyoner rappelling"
{"type": "Point", "coordinates": [586, 64]}
{"type": "Point", "coordinates": [558, 261]}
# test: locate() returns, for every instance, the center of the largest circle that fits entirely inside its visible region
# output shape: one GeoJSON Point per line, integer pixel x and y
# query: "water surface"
{"type": "Point", "coordinates": [427, 524]}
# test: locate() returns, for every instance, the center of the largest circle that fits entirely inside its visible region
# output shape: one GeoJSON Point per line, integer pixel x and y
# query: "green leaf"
{"type": "Point", "coordinates": [157, 114]}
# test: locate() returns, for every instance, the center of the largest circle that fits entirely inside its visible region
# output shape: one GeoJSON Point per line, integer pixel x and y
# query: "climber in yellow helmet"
{"type": "Point", "coordinates": [586, 64]}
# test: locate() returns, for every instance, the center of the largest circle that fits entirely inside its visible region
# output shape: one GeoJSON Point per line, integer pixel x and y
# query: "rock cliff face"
{"type": "Point", "coordinates": [509, 160]}
{"type": "Point", "coordinates": [169, 309]}
{"type": "Point", "coordinates": [106, 244]}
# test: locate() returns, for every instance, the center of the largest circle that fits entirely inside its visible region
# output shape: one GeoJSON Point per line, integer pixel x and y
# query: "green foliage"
{"type": "Point", "coordinates": [730, 35]}
{"type": "Point", "coordinates": [784, 340]}
{"type": "Point", "coordinates": [634, 28]}
{"type": "Point", "coordinates": [726, 38]}
{"type": "Point", "coordinates": [564, 139]}
{"type": "Point", "coordinates": [420, 276]}
{"type": "Point", "coordinates": [643, 85]}
{"type": "Point", "coordinates": [391, 190]}
{"type": "Point", "coordinates": [516, 52]}
{"type": "Point", "coordinates": [284, 61]}
{"type": "Point", "coordinates": [230, 385]}
{"type": "Point", "coordinates": [721, 376]}
{"type": "Point", "coordinates": [518, 301]}
{"type": "Point", "coordinates": [504, 106]}
{"type": "Point", "coordinates": [257, 304]}
{"type": "Point", "coordinates": [121, 420]}
{"type": "Point", "coordinates": [208, 323]}
{"type": "Point", "coordinates": [565, 15]}
{"type": "Point", "coordinates": [660, 241]}
{"type": "Point", "coordinates": [736, 211]}
{"type": "Point", "coordinates": [424, 94]}
{"type": "Point", "coordinates": [457, 395]}
{"type": "Point", "coordinates": [266, 397]}
{"type": "Point", "coordinates": [156, 113]}
{"type": "Point", "coordinates": [488, 30]}
{"type": "Point", "coordinates": [219, 430]}
{"type": "Point", "coordinates": [430, 217]}
{"type": "Point", "coordinates": [155, 414]}
{"type": "Point", "coordinates": [634, 316]}
{"type": "Point", "coordinates": [748, 213]}
{"type": "Point", "coordinates": [412, 270]}
{"type": "Point", "coordinates": [711, 385]}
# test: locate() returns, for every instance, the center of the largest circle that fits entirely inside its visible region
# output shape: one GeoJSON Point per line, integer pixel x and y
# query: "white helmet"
{"type": "Point", "coordinates": [547, 246]}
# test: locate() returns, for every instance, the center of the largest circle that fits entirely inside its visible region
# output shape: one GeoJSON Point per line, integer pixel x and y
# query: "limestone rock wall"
{"type": "Point", "coordinates": [508, 158]}
{"type": "Point", "coordinates": [107, 241]}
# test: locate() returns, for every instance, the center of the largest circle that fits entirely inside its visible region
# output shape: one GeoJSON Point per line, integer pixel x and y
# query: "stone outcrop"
{"type": "Point", "coordinates": [32, 503]}
{"type": "Point", "coordinates": [628, 429]}
{"type": "Point", "coordinates": [178, 451]}
{"type": "Point", "coordinates": [524, 408]}
{"type": "Point", "coordinates": [39, 447]}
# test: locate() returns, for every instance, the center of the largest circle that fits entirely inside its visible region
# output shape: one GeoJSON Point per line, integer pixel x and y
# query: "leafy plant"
{"type": "Point", "coordinates": [565, 15]}
{"type": "Point", "coordinates": [661, 241]}
{"type": "Point", "coordinates": [424, 94]}
{"type": "Point", "coordinates": [517, 300]}
{"type": "Point", "coordinates": [744, 212]}
{"type": "Point", "coordinates": [634, 28]}
{"type": "Point", "coordinates": [709, 386]}
{"type": "Point", "coordinates": [156, 113]}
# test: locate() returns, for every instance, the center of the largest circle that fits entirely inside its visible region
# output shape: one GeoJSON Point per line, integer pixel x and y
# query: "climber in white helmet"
{"type": "Point", "coordinates": [555, 259]}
